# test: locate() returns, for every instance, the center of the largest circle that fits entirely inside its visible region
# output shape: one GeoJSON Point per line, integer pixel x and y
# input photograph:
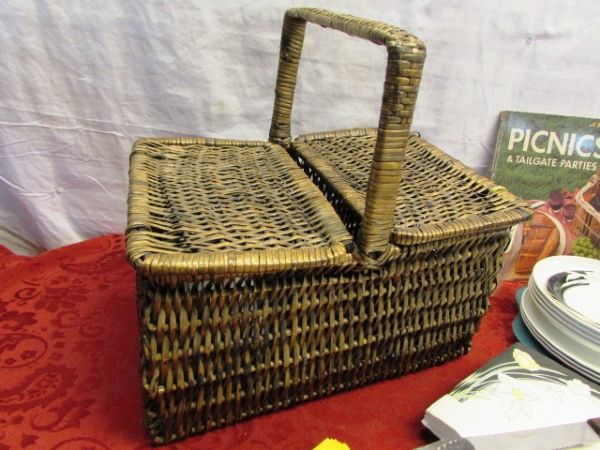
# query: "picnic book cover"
{"type": "Point", "coordinates": [553, 162]}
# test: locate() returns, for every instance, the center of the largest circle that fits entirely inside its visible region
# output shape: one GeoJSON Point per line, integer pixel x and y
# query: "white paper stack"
{"type": "Point", "coordinates": [518, 390]}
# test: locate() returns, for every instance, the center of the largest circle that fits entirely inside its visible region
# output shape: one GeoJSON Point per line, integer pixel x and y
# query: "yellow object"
{"type": "Point", "coordinates": [525, 360]}
{"type": "Point", "coordinates": [331, 444]}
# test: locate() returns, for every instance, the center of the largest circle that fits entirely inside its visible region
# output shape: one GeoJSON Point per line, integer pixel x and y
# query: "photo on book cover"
{"type": "Point", "coordinates": [553, 162]}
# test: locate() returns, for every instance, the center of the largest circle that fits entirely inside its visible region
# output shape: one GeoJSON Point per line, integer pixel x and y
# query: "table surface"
{"type": "Point", "coordinates": [69, 367]}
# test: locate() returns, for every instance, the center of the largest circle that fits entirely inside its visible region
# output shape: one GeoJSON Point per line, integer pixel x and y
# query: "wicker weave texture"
{"type": "Point", "coordinates": [438, 196]}
{"type": "Point", "coordinates": [587, 217]}
{"type": "Point", "coordinates": [218, 351]}
{"type": "Point", "coordinates": [260, 286]}
{"type": "Point", "coordinates": [231, 207]}
{"type": "Point", "coordinates": [406, 55]}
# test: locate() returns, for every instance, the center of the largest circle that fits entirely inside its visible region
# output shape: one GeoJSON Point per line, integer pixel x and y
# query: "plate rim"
{"type": "Point", "coordinates": [542, 333]}
{"type": "Point", "coordinates": [563, 317]}
{"type": "Point", "coordinates": [542, 271]}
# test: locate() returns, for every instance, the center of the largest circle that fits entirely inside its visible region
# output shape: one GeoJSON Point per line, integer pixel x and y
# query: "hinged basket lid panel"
{"type": "Point", "coordinates": [438, 197]}
{"type": "Point", "coordinates": [222, 207]}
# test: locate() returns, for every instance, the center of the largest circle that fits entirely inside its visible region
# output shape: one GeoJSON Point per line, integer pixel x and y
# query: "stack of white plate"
{"type": "Point", "coordinates": [561, 309]}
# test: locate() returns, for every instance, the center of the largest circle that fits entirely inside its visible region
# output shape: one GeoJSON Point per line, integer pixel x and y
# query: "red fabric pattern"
{"type": "Point", "coordinates": [69, 367]}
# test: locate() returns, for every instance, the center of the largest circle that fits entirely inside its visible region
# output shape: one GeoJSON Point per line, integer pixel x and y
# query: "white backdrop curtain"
{"type": "Point", "coordinates": [81, 80]}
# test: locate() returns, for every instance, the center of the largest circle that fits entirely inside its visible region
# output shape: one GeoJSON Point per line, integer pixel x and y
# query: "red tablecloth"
{"type": "Point", "coordinates": [69, 367]}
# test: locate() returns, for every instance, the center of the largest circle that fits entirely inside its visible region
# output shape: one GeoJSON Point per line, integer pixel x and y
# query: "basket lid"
{"type": "Point", "coordinates": [217, 207]}
{"type": "Point", "coordinates": [438, 196]}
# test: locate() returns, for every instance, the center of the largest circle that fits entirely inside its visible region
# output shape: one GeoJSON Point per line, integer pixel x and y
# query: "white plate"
{"type": "Point", "coordinates": [562, 316]}
{"type": "Point", "coordinates": [579, 290]}
{"type": "Point", "coordinates": [567, 348]}
{"type": "Point", "coordinates": [565, 359]}
{"type": "Point", "coordinates": [590, 374]}
{"type": "Point", "coordinates": [581, 348]}
{"type": "Point", "coordinates": [578, 300]}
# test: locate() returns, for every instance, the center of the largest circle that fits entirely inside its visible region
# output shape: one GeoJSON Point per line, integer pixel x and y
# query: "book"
{"type": "Point", "coordinates": [553, 162]}
{"type": "Point", "coordinates": [518, 390]}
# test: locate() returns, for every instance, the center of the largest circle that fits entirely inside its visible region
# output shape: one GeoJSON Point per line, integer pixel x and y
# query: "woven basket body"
{"type": "Point", "coordinates": [271, 273]}
{"type": "Point", "coordinates": [219, 351]}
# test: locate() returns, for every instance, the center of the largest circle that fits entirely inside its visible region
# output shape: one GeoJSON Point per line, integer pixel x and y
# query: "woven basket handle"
{"type": "Point", "coordinates": [406, 55]}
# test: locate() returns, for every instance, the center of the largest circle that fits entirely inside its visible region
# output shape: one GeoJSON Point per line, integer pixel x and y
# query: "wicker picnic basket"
{"type": "Point", "coordinates": [266, 279]}
{"type": "Point", "coordinates": [587, 217]}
